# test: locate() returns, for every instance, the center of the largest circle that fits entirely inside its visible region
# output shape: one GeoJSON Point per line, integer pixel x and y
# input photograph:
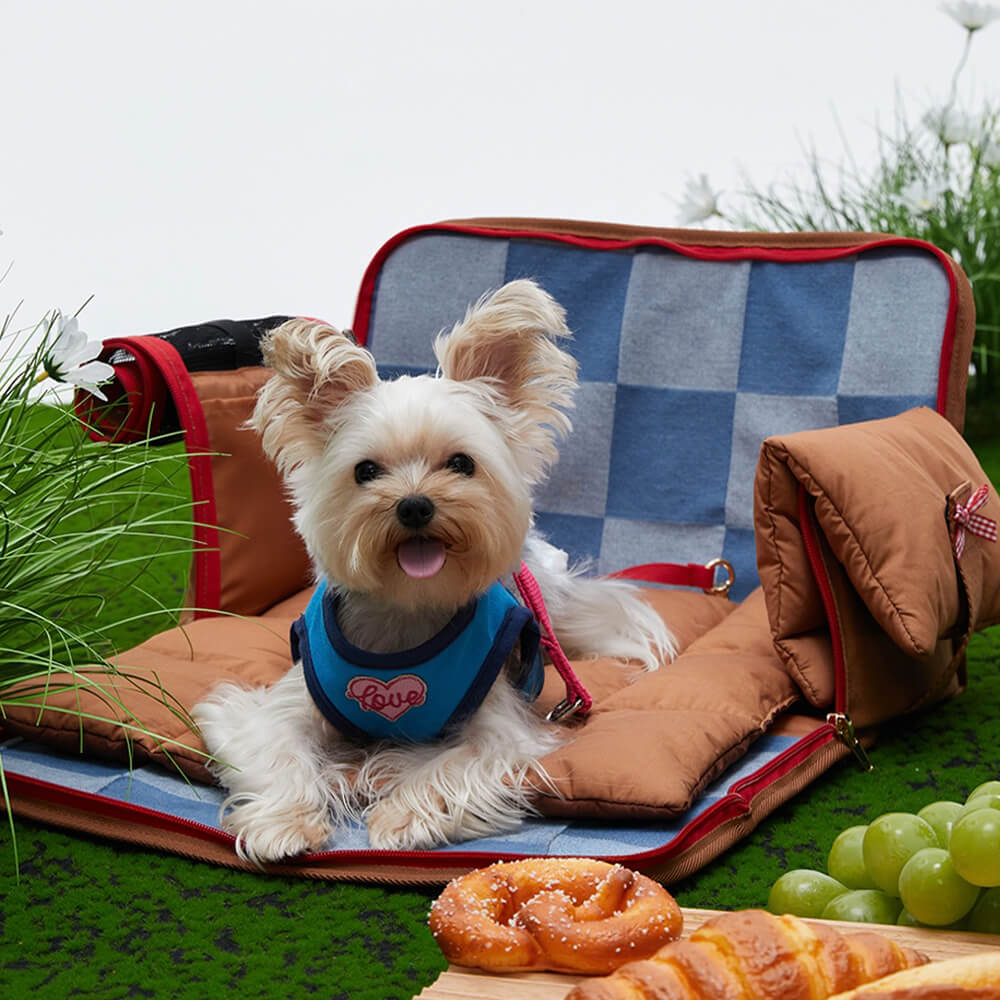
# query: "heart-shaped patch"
{"type": "Point", "coordinates": [390, 700]}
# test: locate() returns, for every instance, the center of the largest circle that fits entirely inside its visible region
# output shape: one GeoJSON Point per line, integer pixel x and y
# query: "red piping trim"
{"type": "Point", "coordinates": [809, 539]}
{"type": "Point", "coordinates": [736, 803]}
{"type": "Point", "coordinates": [91, 802]}
{"type": "Point", "coordinates": [366, 293]}
{"type": "Point", "coordinates": [137, 402]}
{"type": "Point", "coordinates": [753, 784]}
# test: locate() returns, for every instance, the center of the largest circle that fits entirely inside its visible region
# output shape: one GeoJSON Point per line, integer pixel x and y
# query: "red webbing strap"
{"type": "Point", "coordinates": [681, 575]}
{"type": "Point", "coordinates": [137, 398]}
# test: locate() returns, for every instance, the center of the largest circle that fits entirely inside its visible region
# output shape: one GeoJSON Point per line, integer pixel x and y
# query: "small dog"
{"type": "Point", "coordinates": [413, 497]}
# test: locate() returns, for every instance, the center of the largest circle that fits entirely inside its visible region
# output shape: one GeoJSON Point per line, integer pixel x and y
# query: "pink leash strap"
{"type": "Point", "coordinates": [577, 700]}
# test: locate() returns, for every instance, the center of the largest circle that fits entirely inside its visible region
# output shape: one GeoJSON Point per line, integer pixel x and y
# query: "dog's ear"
{"type": "Point", "coordinates": [510, 339]}
{"type": "Point", "coordinates": [317, 370]}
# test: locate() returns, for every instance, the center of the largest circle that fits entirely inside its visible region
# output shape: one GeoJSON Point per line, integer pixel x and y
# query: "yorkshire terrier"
{"type": "Point", "coordinates": [408, 707]}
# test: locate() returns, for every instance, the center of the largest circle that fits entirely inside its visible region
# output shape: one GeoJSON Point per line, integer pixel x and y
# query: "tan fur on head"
{"type": "Point", "coordinates": [318, 370]}
{"type": "Point", "coordinates": [510, 339]}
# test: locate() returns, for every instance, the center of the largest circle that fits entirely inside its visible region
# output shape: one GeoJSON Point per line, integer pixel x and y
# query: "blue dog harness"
{"type": "Point", "coordinates": [417, 694]}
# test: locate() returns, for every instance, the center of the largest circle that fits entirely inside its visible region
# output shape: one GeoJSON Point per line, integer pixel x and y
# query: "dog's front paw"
{"type": "Point", "coordinates": [392, 827]}
{"type": "Point", "coordinates": [264, 834]}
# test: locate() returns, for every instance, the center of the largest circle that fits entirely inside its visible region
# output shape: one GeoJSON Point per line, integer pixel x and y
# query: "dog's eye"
{"type": "Point", "coordinates": [461, 464]}
{"type": "Point", "coordinates": [365, 472]}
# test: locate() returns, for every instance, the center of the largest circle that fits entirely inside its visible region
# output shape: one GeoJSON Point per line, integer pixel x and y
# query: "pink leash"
{"type": "Point", "coordinates": [577, 700]}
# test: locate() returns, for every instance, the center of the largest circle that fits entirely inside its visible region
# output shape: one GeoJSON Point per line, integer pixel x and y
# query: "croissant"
{"type": "Point", "coordinates": [970, 977]}
{"type": "Point", "coordinates": [754, 955]}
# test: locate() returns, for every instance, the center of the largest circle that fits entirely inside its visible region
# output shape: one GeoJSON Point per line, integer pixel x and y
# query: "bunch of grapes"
{"type": "Point", "coordinates": [939, 867]}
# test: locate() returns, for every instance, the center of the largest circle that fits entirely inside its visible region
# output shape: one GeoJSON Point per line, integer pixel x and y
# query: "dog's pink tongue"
{"type": "Point", "coordinates": [420, 557]}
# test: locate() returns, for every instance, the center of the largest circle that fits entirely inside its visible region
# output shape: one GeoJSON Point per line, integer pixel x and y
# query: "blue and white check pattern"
{"type": "Point", "coordinates": [152, 788]}
{"type": "Point", "coordinates": [686, 367]}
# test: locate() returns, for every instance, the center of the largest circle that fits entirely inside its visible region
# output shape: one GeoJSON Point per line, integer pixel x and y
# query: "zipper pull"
{"type": "Point", "coordinates": [844, 729]}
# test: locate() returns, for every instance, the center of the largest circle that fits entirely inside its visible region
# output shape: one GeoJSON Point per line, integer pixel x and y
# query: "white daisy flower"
{"type": "Point", "coordinates": [71, 358]}
{"type": "Point", "coordinates": [989, 156]}
{"type": "Point", "coordinates": [971, 16]}
{"type": "Point", "coordinates": [700, 202]}
{"type": "Point", "coordinates": [921, 197]}
{"type": "Point", "coordinates": [950, 125]}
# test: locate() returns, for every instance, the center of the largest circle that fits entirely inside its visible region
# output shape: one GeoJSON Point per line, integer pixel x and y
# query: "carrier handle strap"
{"type": "Point", "coordinates": [150, 369]}
{"type": "Point", "coordinates": [683, 575]}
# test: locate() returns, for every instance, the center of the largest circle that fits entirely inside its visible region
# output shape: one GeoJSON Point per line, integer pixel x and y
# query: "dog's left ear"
{"type": "Point", "coordinates": [317, 371]}
{"type": "Point", "coordinates": [510, 339]}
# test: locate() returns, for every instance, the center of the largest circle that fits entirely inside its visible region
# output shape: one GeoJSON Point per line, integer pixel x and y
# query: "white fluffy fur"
{"type": "Point", "coordinates": [500, 398]}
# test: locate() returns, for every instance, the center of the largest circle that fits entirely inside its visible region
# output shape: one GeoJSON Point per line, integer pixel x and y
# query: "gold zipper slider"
{"type": "Point", "coordinates": [844, 729]}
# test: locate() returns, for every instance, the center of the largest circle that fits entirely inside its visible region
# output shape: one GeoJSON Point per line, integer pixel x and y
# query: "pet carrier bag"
{"type": "Point", "coordinates": [787, 406]}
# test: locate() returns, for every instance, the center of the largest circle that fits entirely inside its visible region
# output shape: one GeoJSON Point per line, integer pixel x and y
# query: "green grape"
{"type": "Point", "coordinates": [933, 891]}
{"type": "Point", "coordinates": [985, 800]}
{"type": "Point", "coordinates": [975, 847]}
{"type": "Point", "coordinates": [985, 915]}
{"type": "Point", "coordinates": [890, 841]}
{"type": "Point", "coordinates": [803, 892]}
{"type": "Point", "coordinates": [907, 919]}
{"type": "Point", "coordinates": [846, 862]}
{"type": "Point", "coordinates": [941, 816]}
{"type": "Point", "coordinates": [985, 788]}
{"type": "Point", "coordinates": [865, 906]}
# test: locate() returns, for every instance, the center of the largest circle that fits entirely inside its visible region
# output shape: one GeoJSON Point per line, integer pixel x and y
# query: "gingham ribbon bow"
{"type": "Point", "coordinates": [966, 520]}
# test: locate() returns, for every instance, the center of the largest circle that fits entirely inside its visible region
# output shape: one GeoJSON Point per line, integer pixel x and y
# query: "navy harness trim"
{"type": "Point", "coordinates": [392, 661]}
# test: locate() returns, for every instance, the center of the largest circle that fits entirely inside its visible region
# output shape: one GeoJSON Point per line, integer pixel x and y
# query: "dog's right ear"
{"type": "Point", "coordinates": [317, 370]}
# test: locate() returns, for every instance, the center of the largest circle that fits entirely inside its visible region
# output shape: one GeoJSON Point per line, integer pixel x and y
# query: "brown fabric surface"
{"type": "Point", "coordinates": [653, 741]}
{"type": "Point", "coordinates": [686, 722]}
{"type": "Point", "coordinates": [893, 578]}
{"type": "Point", "coordinates": [878, 493]}
{"type": "Point", "coordinates": [651, 746]}
{"type": "Point", "coordinates": [187, 662]}
{"type": "Point", "coordinates": [263, 559]}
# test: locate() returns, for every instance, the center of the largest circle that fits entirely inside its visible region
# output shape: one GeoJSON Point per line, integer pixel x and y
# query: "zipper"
{"type": "Point", "coordinates": [838, 720]}
{"type": "Point", "coordinates": [844, 729]}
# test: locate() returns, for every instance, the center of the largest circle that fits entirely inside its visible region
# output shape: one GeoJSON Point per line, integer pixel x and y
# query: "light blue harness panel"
{"type": "Point", "coordinates": [420, 693]}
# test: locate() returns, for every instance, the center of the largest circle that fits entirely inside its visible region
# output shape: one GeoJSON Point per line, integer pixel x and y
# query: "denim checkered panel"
{"type": "Point", "coordinates": [686, 366]}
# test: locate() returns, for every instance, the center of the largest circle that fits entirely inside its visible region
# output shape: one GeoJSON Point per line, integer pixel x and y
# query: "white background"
{"type": "Point", "coordinates": [194, 160]}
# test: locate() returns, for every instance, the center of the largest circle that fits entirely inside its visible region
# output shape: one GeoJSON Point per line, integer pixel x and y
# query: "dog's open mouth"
{"type": "Point", "coordinates": [420, 558]}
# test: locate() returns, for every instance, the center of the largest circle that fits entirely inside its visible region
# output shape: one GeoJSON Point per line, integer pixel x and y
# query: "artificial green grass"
{"type": "Point", "coordinates": [92, 919]}
{"type": "Point", "coordinates": [96, 919]}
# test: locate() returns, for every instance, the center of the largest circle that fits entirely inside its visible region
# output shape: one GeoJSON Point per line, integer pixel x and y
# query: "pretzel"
{"type": "Point", "coordinates": [560, 914]}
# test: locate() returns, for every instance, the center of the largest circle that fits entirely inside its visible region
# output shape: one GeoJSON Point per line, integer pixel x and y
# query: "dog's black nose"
{"type": "Point", "coordinates": [415, 512]}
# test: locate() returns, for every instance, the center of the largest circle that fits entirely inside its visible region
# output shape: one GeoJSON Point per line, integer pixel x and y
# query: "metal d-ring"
{"type": "Point", "coordinates": [724, 587]}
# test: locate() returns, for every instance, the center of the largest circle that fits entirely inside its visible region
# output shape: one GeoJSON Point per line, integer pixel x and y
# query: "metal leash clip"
{"type": "Point", "coordinates": [724, 587]}
{"type": "Point", "coordinates": [564, 708]}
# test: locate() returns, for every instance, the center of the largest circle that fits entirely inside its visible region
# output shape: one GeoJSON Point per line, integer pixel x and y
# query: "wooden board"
{"type": "Point", "coordinates": [469, 984]}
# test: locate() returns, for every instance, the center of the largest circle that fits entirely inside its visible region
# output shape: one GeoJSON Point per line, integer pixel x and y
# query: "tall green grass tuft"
{"type": "Point", "coordinates": [84, 527]}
